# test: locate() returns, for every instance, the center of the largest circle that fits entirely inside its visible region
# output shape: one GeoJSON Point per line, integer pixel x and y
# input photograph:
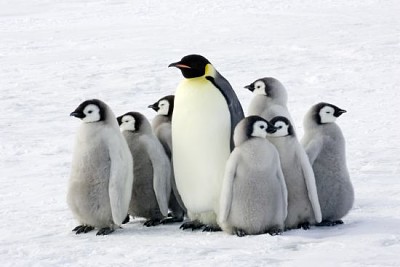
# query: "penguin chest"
{"type": "Point", "coordinates": [201, 143]}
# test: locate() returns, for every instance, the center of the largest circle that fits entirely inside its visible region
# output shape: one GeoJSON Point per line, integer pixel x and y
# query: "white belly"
{"type": "Point", "coordinates": [201, 143]}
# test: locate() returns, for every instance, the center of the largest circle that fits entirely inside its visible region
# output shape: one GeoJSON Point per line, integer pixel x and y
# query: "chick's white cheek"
{"type": "Point", "coordinates": [259, 88]}
{"type": "Point", "coordinates": [92, 113]}
{"type": "Point", "coordinates": [327, 115]}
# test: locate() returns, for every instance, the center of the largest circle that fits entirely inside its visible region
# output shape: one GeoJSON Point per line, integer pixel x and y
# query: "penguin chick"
{"type": "Point", "coordinates": [152, 169]}
{"type": "Point", "coordinates": [206, 111]}
{"type": "Point", "coordinates": [325, 146]}
{"type": "Point", "coordinates": [161, 125]}
{"type": "Point", "coordinates": [102, 171]}
{"type": "Point", "coordinates": [269, 100]}
{"type": "Point", "coordinates": [254, 196]}
{"type": "Point", "coordinates": [303, 204]}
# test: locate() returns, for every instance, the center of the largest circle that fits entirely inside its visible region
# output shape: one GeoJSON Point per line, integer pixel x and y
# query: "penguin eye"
{"type": "Point", "coordinates": [280, 127]}
{"type": "Point", "coordinates": [90, 111]}
{"type": "Point", "coordinates": [262, 127]}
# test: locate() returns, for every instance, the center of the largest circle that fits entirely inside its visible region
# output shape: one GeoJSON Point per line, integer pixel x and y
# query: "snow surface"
{"type": "Point", "coordinates": [56, 53]}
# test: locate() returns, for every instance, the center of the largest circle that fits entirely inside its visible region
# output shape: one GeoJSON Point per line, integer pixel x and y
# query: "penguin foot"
{"type": "Point", "coordinates": [304, 226]}
{"type": "Point", "coordinates": [152, 222]}
{"type": "Point", "coordinates": [171, 220]}
{"type": "Point", "coordinates": [329, 223]}
{"type": "Point", "coordinates": [105, 231]}
{"type": "Point", "coordinates": [274, 231]}
{"type": "Point", "coordinates": [211, 228]}
{"type": "Point", "coordinates": [82, 229]}
{"type": "Point", "coordinates": [126, 219]}
{"type": "Point", "coordinates": [240, 232]}
{"type": "Point", "coordinates": [194, 225]}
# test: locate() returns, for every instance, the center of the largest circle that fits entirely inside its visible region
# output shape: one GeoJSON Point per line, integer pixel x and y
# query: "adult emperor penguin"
{"type": "Point", "coordinates": [161, 125]}
{"type": "Point", "coordinates": [254, 195]}
{"type": "Point", "coordinates": [206, 111]}
{"type": "Point", "coordinates": [303, 205]}
{"type": "Point", "coordinates": [325, 146]}
{"type": "Point", "coordinates": [101, 177]}
{"type": "Point", "coordinates": [269, 100]}
{"type": "Point", "coordinates": [152, 170]}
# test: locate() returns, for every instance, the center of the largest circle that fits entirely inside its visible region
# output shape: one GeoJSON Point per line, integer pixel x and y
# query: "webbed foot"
{"type": "Point", "coordinates": [274, 231]}
{"type": "Point", "coordinates": [194, 225]}
{"type": "Point", "coordinates": [152, 222]}
{"type": "Point", "coordinates": [211, 228]}
{"type": "Point", "coordinates": [105, 231]}
{"type": "Point", "coordinates": [171, 220]}
{"type": "Point", "coordinates": [329, 223]}
{"type": "Point", "coordinates": [82, 229]}
{"type": "Point", "coordinates": [126, 219]}
{"type": "Point", "coordinates": [304, 226]}
{"type": "Point", "coordinates": [240, 232]}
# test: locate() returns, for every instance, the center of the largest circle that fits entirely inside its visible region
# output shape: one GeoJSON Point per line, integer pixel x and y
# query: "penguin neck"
{"type": "Point", "coordinates": [160, 119]}
{"type": "Point", "coordinates": [209, 71]}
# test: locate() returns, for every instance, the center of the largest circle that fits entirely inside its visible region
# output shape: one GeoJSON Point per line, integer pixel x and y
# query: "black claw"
{"type": "Point", "coordinates": [171, 220]}
{"type": "Point", "coordinates": [304, 226]}
{"type": "Point", "coordinates": [88, 229]}
{"type": "Point", "coordinates": [126, 219]}
{"type": "Point", "coordinates": [240, 233]}
{"type": "Point", "coordinates": [274, 231]}
{"type": "Point", "coordinates": [152, 222]}
{"type": "Point", "coordinates": [212, 228]}
{"type": "Point", "coordinates": [194, 225]}
{"type": "Point", "coordinates": [77, 228]}
{"type": "Point", "coordinates": [329, 223]}
{"type": "Point", "coordinates": [82, 229]}
{"type": "Point", "coordinates": [105, 231]}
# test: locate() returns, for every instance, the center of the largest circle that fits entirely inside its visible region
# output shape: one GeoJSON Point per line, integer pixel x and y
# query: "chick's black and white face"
{"type": "Point", "coordinates": [327, 114]}
{"type": "Point", "coordinates": [260, 129]}
{"type": "Point", "coordinates": [163, 106]}
{"type": "Point", "coordinates": [92, 113]}
{"type": "Point", "coordinates": [259, 88]}
{"type": "Point", "coordinates": [128, 123]}
{"type": "Point", "coordinates": [282, 129]}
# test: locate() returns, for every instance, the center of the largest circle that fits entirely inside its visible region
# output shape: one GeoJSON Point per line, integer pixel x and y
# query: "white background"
{"type": "Point", "coordinates": [56, 53]}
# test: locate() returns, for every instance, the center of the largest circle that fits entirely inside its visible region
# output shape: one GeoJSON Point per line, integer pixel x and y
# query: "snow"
{"type": "Point", "coordinates": [56, 53]}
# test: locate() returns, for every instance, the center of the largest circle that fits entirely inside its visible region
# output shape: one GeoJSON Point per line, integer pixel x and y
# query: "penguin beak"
{"type": "Point", "coordinates": [339, 112]}
{"type": "Point", "coordinates": [119, 120]}
{"type": "Point", "coordinates": [154, 107]}
{"type": "Point", "coordinates": [179, 65]}
{"type": "Point", "coordinates": [250, 87]}
{"type": "Point", "coordinates": [271, 128]}
{"type": "Point", "coordinates": [77, 114]}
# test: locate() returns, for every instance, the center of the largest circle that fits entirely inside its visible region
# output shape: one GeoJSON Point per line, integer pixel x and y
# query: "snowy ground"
{"type": "Point", "coordinates": [56, 53]}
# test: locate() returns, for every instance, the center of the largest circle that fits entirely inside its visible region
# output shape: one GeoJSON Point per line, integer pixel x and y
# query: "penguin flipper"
{"type": "Point", "coordinates": [121, 179]}
{"type": "Point", "coordinates": [313, 149]}
{"type": "Point", "coordinates": [227, 186]}
{"type": "Point", "coordinates": [311, 185]}
{"type": "Point", "coordinates": [161, 172]}
{"type": "Point", "coordinates": [281, 178]}
{"type": "Point", "coordinates": [235, 108]}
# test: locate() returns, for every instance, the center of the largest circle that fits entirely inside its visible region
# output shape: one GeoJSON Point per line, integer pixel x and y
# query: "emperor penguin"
{"type": "Point", "coordinates": [254, 196]}
{"type": "Point", "coordinates": [206, 111]}
{"type": "Point", "coordinates": [101, 178]}
{"type": "Point", "coordinates": [303, 204]}
{"type": "Point", "coordinates": [152, 170]}
{"type": "Point", "coordinates": [161, 125]}
{"type": "Point", "coordinates": [325, 146]}
{"type": "Point", "coordinates": [269, 100]}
